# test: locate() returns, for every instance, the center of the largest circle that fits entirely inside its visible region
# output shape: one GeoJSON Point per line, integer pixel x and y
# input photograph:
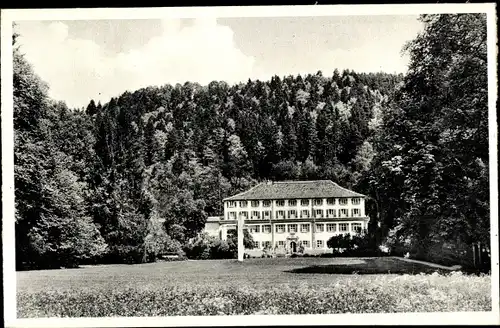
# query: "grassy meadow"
{"type": "Point", "coordinates": [256, 286]}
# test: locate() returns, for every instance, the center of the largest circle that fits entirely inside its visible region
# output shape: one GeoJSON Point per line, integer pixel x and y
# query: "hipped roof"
{"type": "Point", "coordinates": [295, 190]}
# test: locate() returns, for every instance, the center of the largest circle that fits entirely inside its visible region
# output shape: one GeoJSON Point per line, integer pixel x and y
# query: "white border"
{"type": "Point", "coordinates": [9, 274]}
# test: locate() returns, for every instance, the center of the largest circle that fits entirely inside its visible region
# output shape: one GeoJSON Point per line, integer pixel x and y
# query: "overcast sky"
{"type": "Point", "coordinates": [83, 60]}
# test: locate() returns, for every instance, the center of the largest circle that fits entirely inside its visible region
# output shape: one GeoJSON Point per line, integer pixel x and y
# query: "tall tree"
{"type": "Point", "coordinates": [436, 142]}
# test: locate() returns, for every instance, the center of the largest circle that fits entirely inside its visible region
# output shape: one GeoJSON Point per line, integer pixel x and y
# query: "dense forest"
{"type": "Point", "coordinates": [135, 177]}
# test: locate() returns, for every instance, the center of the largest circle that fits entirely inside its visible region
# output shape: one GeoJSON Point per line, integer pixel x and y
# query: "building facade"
{"type": "Point", "coordinates": [292, 216]}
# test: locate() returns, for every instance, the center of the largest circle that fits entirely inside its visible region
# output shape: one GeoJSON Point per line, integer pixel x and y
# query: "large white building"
{"type": "Point", "coordinates": [287, 216]}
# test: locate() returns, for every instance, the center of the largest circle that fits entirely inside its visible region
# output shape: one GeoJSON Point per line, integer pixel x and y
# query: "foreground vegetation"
{"type": "Point", "coordinates": [257, 286]}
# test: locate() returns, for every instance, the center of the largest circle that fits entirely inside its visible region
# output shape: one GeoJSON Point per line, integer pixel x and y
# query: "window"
{"type": "Point", "coordinates": [255, 244]}
{"type": "Point", "coordinates": [355, 201]}
{"type": "Point", "coordinates": [280, 228]}
{"type": "Point", "coordinates": [343, 227]}
{"type": "Point", "coordinates": [292, 228]}
{"type": "Point", "coordinates": [267, 214]}
{"type": "Point", "coordinates": [254, 229]}
{"type": "Point", "coordinates": [304, 202]}
{"type": "Point", "coordinates": [280, 203]}
{"type": "Point", "coordinates": [243, 203]}
{"type": "Point", "coordinates": [343, 212]}
{"type": "Point", "coordinates": [266, 228]}
{"type": "Point", "coordinates": [305, 243]}
{"type": "Point", "coordinates": [343, 201]}
{"type": "Point", "coordinates": [319, 244]}
{"type": "Point", "coordinates": [266, 244]}
{"type": "Point", "coordinates": [244, 214]}
{"type": "Point", "coordinates": [266, 203]}
{"type": "Point", "coordinates": [280, 214]}
{"type": "Point", "coordinates": [356, 212]}
{"type": "Point", "coordinates": [255, 203]}
{"type": "Point", "coordinates": [292, 214]}
{"type": "Point", "coordinates": [331, 227]}
{"type": "Point", "coordinates": [292, 202]}
{"type": "Point", "coordinates": [319, 213]}
{"type": "Point", "coordinates": [305, 213]}
{"type": "Point", "coordinates": [232, 215]}
{"type": "Point", "coordinates": [231, 204]}
{"type": "Point", "coordinates": [320, 227]}
{"type": "Point", "coordinates": [356, 227]}
{"type": "Point", "coordinates": [255, 215]}
{"type": "Point", "coordinates": [304, 228]}
{"type": "Point", "coordinates": [330, 201]}
{"type": "Point", "coordinates": [331, 213]}
{"type": "Point", "coordinates": [281, 243]}
{"type": "Point", "coordinates": [318, 202]}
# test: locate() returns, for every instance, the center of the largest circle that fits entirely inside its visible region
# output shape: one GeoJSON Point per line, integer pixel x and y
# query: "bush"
{"type": "Point", "coordinates": [356, 245]}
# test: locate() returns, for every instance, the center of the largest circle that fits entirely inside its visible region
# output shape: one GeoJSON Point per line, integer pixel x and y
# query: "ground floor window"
{"type": "Point", "coordinates": [281, 243]}
{"type": "Point", "coordinates": [255, 244]}
{"type": "Point", "coordinates": [319, 244]}
{"type": "Point", "coordinates": [305, 243]}
{"type": "Point", "coordinates": [266, 244]}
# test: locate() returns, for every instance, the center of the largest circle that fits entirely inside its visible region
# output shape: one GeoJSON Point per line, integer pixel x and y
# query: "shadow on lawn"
{"type": "Point", "coordinates": [370, 266]}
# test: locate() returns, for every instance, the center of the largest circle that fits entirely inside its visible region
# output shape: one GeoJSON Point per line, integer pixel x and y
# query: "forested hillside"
{"type": "Point", "coordinates": [125, 180]}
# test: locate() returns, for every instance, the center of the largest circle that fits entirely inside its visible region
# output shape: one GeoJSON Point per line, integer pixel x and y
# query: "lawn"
{"type": "Point", "coordinates": [256, 286]}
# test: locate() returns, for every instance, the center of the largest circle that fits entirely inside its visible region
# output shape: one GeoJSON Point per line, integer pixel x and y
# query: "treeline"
{"type": "Point", "coordinates": [136, 177]}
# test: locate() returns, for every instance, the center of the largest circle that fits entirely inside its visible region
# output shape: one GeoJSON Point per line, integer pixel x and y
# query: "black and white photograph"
{"type": "Point", "coordinates": [270, 165]}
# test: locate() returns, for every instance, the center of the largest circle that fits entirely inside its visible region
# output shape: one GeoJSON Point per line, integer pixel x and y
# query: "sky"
{"type": "Point", "coordinates": [84, 60]}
